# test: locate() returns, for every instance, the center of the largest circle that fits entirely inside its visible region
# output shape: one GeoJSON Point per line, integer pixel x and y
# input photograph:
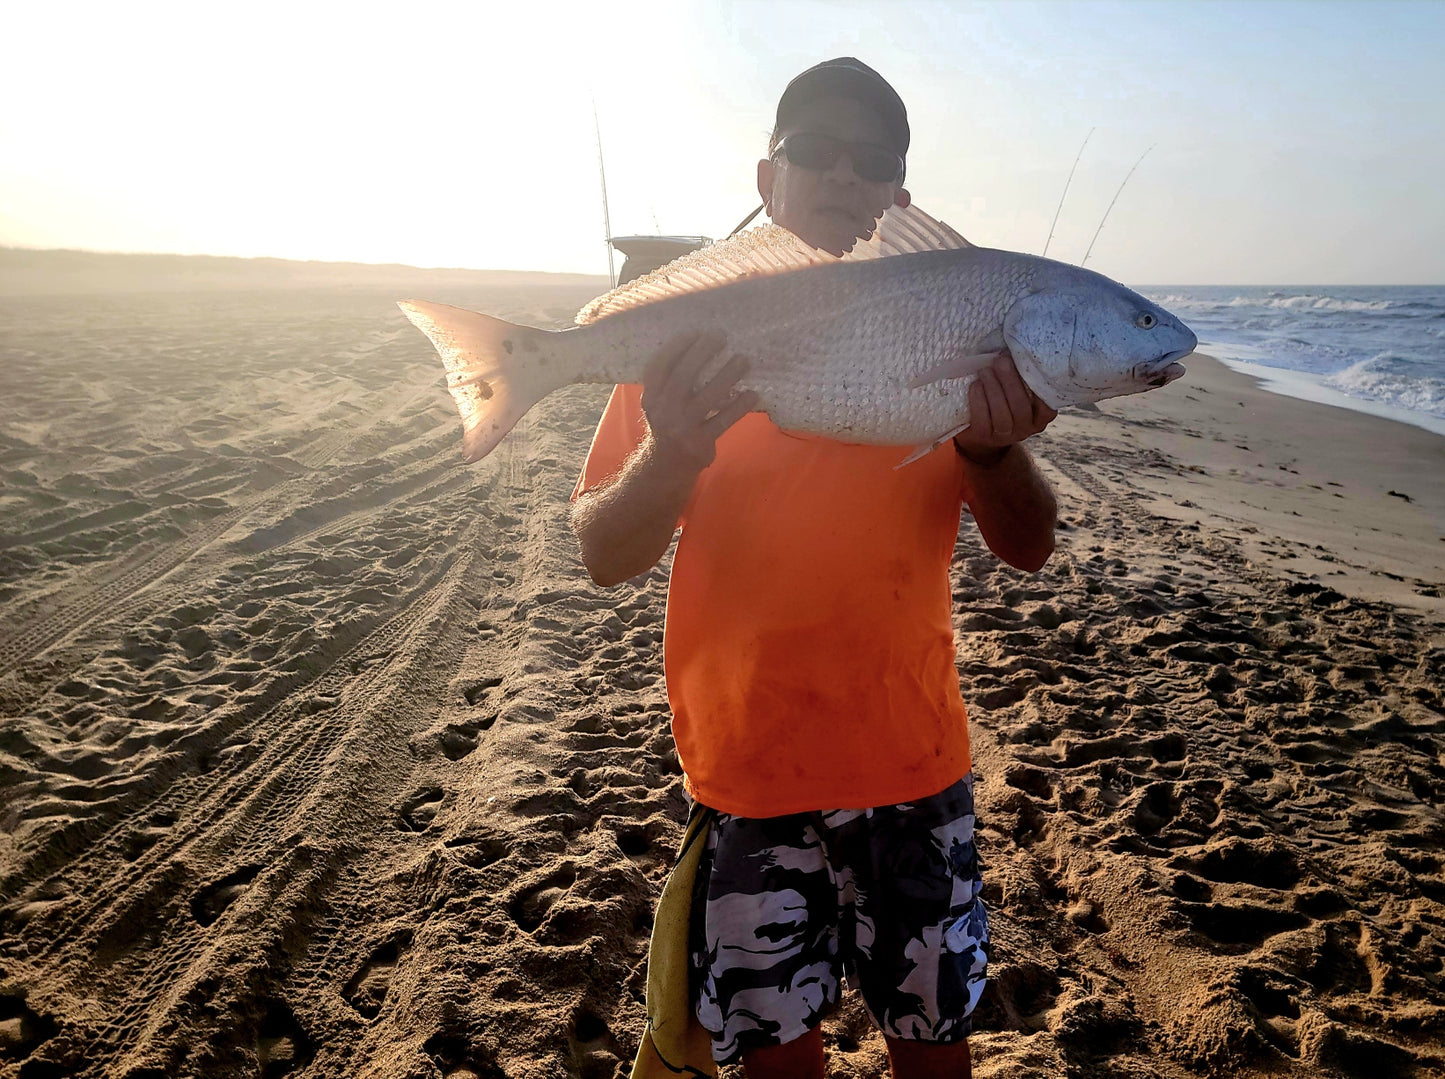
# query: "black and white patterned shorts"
{"type": "Point", "coordinates": [785, 906]}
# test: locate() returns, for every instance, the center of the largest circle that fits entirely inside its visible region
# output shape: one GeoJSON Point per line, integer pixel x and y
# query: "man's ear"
{"type": "Point", "coordinates": [902, 199]}
{"type": "Point", "coordinates": [765, 184]}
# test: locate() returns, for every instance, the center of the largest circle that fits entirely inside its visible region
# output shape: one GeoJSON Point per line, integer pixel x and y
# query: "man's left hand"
{"type": "Point", "coordinates": [1002, 411]}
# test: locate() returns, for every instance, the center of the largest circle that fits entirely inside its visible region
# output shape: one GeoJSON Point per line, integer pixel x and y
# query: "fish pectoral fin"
{"type": "Point", "coordinates": [955, 367]}
{"type": "Point", "coordinates": [928, 447]}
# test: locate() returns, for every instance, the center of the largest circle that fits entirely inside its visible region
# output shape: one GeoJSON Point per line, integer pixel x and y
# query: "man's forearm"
{"type": "Point", "coordinates": [1014, 507]}
{"type": "Point", "coordinates": [625, 527]}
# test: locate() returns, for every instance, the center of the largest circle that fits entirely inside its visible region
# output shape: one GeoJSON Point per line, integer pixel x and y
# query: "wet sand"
{"type": "Point", "coordinates": [320, 755]}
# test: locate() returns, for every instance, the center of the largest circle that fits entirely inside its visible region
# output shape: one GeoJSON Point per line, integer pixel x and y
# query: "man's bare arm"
{"type": "Point", "coordinates": [626, 526]}
{"type": "Point", "coordinates": [1014, 508]}
{"type": "Point", "coordinates": [1011, 501]}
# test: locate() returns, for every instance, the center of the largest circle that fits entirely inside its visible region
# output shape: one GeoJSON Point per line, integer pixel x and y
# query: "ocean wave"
{"type": "Point", "coordinates": [1378, 345]}
{"type": "Point", "coordinates": [1310, 303]}
{"type": "Point", "coordinates": [1395, 380]}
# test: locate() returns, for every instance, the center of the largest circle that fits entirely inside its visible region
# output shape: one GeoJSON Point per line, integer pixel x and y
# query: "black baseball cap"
{"type": "Point", "coordinates": [850, 77]}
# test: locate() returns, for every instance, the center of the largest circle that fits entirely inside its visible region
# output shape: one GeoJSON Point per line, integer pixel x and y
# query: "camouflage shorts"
{"type": "Point", "coordinates": [785, 906]}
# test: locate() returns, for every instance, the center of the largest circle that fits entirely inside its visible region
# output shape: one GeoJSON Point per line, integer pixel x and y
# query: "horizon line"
{"type": "Point", "coordinates": [8, 247]}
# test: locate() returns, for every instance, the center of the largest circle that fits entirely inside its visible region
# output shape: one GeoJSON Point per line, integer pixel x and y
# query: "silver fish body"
{"type": "Point", "coordinates": [880, 350]}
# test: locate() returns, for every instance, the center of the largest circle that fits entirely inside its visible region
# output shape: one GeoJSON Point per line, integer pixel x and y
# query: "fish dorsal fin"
{"type": "Point", "coordinates": [907, 230]}
{"type": "Point", "coordinates": [770, 250]}
{"type": "Point", "coordinates": [759, 252]}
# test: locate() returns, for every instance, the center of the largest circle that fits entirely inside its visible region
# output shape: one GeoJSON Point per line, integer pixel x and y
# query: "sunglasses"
{"type": "Point", "coordinates": [875, 164]}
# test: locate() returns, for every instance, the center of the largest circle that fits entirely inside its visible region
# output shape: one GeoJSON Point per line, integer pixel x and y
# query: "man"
{"type": "Point", "coordinates": [809, 651]}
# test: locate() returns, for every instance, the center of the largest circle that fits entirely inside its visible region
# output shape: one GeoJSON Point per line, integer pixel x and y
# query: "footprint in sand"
{"type": "Point", "coordinates": [1030, 821]}
{"type": "Point", "coordinates": [211, 902]}
{"type": "Point", "coordinates": [634, 843]}
{"type": "Point", "coordinates": [1272, 992]}
{"type": "Point", "coordinates": [1241, 925]}
{"type": "Point", "coordinates": [458, 740]}
{"type": "Point", "coordinates": [142, 837]}
{"type": "Point", "coordinates": [454, 1058]}
{"type": "Point", "coordinates": [1018, 997]}
{"type": "Point", "coordinates": [476, 691]}
{"type": "Point", "coordinates": [420, 809]}
{"type": "Point", "coordinates": [649, 842]}
{"type": "Point", "coordinates": [1333, 1049]}
{"type": "Point", "coordinates": [1262, 862]}
{"type": "Point", "coordinates": [1191, 889]}
{"type": "Point", "coordinates": [1085, 914]}
{"type": "Point", "coordinates": [478, 852]}
{"type": "Point", "coordinates": [530, 907]}
{"type": "Point", "coordinates": [1339, 960]}
{"type": "Point", "coordinates": [366, 991]}
{"type": "Point", "coordinates": [21, 1030]}
{"type": "Point", "coordinates": [1183, 809]}
{"type": "Point", "coordinates": [596, 1046]}
{"type": "Point", "coordinates": [562, 802]}
{"type": "Point", "coordinates": [282, 1047]}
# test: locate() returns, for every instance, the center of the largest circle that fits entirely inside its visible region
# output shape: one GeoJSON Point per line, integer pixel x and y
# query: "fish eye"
{"type": "Point", "coordinates": [1145, 321]}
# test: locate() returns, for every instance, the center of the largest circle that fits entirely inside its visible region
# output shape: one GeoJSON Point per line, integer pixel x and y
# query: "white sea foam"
{"type": "Point", "coordinates": [1393, 380]}
{"type": "Point", "coordinates": [1310, 303]}
{"type": "Point", "coordinates": [1378, 347]}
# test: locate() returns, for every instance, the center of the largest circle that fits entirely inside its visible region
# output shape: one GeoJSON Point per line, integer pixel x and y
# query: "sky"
{"type": "Point", "coordinates": [1287, 143]}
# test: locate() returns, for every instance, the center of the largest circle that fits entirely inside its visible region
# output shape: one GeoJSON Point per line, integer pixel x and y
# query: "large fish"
{"type": "Point", "coordinates": [879, 346]}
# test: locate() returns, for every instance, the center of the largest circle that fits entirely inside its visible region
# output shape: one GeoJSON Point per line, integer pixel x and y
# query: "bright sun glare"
{"type": "Point", "coordinates": [462, 134]}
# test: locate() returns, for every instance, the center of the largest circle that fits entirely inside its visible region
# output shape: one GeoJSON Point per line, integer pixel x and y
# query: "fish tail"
{"type": "Point", "coordinates": [496, 370]}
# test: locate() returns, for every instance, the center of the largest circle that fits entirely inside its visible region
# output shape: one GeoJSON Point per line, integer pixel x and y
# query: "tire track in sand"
{"type": "Point", "coordinates": [113, 594]}
{"type": "Point", "coordinates": [151, 935]}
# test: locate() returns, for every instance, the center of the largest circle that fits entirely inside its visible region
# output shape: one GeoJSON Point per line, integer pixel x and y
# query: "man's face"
{"type": "Point", "coordinates": [829, 209]}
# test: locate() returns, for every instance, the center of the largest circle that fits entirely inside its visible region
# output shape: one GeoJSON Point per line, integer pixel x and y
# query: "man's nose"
{"type": "Point", "coordinates": [842, 170]}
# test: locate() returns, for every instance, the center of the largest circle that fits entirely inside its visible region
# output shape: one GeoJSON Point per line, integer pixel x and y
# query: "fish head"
{"type": "Point", "coordinates": [1092, 340]}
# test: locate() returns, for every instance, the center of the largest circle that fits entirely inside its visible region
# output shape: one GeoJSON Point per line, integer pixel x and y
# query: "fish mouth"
{"type": "Point", "coordinates": [1165, 369]}
{"type": "Point", "coordinates": [1167, 375]}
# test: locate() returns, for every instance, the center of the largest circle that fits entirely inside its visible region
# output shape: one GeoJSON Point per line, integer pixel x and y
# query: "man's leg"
{"type": "Point", "coordinates": [927, 1060]}
{"type": "Point", "coordinates": [764, 951]}
{"type": "Point", "coordinates": [801, 1058]}
{"type": "Point", "coordinates": [921, 939]}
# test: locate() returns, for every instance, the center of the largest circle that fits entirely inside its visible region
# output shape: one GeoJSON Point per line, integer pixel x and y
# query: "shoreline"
{"type": "Point", "coordinates": [1306, 387]}
{"type": "Point", "coordinates": [1314, 489]}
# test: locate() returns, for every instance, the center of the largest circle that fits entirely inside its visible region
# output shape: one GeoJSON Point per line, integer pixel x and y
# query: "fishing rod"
{"type": "Point", "coordinates": [1114, 200]}
{"type": "Point", "coordinates": [1066, 190]}
{"type": "Point", "coordinates": [606, 216]}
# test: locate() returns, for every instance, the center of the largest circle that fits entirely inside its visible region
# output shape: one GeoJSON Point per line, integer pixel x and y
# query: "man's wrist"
{"type": "Point", "coordinates": [988, 458]}
{"type": "Point", "coordinates": [666, 466]}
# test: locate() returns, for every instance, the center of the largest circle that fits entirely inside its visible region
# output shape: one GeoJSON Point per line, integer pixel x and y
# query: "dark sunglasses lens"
{"type": "Point", "coordinates": [872, 163]}
{"type": "Point", "coordinates": [810, 151]}
{"type": "Point", "coordinates": [875, 164]}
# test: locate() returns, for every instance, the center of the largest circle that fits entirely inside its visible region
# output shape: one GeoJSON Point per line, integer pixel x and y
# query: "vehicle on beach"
{"type": "Point", "coordinates": [647, 253]}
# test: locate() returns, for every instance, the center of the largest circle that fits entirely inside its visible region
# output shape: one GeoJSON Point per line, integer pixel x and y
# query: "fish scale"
{"type": "Point", "coordinates": [878, 347]}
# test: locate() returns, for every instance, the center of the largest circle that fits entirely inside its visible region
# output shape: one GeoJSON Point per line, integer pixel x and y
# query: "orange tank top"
{"type": "Point", "coordinates": [808, 646]}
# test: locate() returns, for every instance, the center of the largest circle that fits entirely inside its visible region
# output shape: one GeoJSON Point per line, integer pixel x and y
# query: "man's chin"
{"type": "Point", "coordinates": [835, 235]}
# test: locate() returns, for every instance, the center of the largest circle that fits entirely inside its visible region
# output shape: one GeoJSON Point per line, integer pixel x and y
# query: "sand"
{"type": "Point", "coordinates": [322, 757]}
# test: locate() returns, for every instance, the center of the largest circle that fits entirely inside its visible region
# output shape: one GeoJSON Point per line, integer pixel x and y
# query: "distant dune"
{"type": "Point", "coordinates": [49, 273]}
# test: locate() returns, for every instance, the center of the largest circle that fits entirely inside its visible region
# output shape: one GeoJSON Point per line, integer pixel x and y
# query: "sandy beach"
{"type": "Point", "coordinates": [320, 755]}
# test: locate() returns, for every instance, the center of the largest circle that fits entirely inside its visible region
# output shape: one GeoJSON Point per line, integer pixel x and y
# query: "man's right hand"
{"type": "Point", "coordinates": [686, 419]}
